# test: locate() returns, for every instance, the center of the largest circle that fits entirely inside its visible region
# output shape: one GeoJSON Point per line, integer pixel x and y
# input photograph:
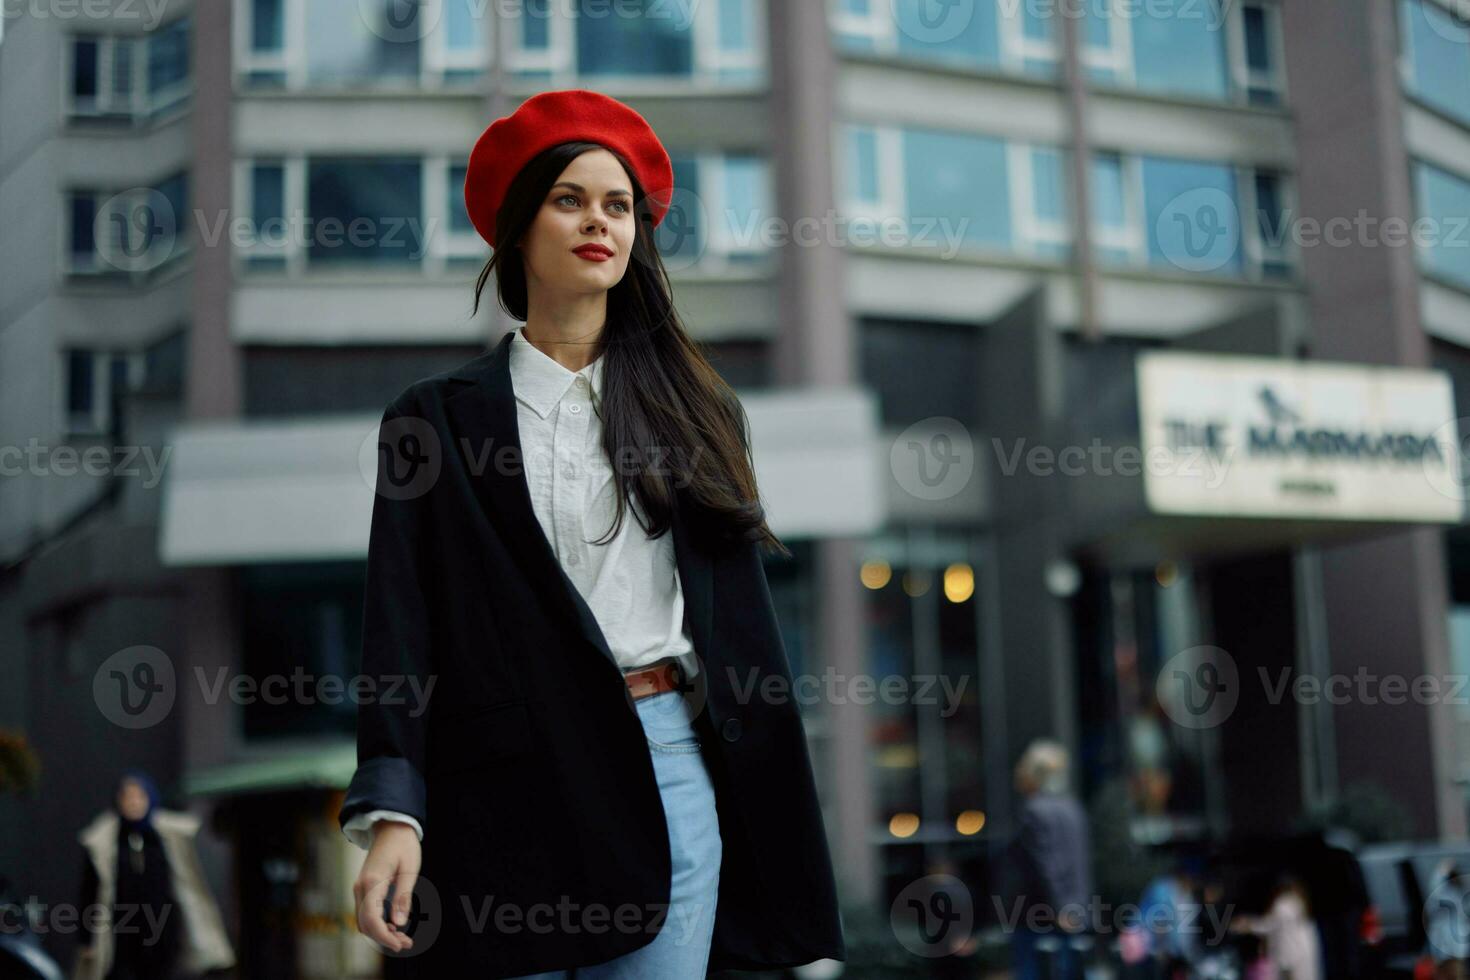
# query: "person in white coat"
{"type": "Point", "coordinates": [156, 916]}
{"type": "Point", "coordinates": [1289, 931]}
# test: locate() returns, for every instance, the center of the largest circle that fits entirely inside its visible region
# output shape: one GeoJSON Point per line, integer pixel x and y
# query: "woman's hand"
{"type": "Point", "coordinates": [394, 859]}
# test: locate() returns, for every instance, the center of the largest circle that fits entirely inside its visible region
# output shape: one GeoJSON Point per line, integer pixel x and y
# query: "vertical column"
{"type": "Point", "coordinates": [213, 382]}
{"type": "Point", "coordinates": [1385, 600]}
{"type": "Point", "coordinates": [815, 346]}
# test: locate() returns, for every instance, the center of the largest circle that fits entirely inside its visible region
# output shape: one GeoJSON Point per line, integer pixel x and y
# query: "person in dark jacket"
{"type": "Point", "coordinates": [1052, 859]}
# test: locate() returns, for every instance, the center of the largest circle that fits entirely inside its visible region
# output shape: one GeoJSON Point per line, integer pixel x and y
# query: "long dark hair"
{"type": "Point", "coordinates": [668, 419]}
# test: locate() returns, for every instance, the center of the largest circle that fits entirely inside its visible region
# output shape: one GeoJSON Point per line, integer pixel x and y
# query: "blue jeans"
{"type": "Point", "coordinates": [681, 948]}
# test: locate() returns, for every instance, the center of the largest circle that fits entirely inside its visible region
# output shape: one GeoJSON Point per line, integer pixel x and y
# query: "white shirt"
{"type": "Point", "coordinates": [631, 584]}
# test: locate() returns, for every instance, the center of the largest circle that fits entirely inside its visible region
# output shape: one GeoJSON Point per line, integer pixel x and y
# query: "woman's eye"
{"type": "Point", "coordinates": [623, 205]}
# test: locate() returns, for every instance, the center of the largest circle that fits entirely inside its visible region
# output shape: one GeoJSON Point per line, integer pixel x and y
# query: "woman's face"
{"type": "Point", "coordinates": [590, 204]}
{"type": "Point", "coordinates": [132, 800]}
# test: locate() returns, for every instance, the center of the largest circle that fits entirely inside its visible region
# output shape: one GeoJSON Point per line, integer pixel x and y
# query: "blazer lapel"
{"type": "Point", "coordinates": [483, 421]}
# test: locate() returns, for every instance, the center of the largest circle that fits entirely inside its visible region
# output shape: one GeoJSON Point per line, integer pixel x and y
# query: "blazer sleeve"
{"type": "Point", "coordinates": [396, 652]}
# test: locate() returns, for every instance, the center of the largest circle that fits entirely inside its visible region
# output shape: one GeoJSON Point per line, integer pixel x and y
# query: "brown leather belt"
{"type": "Point", "coordinates": [656, 678]}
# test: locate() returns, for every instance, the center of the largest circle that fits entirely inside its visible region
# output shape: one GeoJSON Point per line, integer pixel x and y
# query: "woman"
{"type": "Point", "coordinates": [142, 869]}
{"type": "Point", "coordinates": [609, 773]}
{"type": "Point", "coordinates": [1289, 932]}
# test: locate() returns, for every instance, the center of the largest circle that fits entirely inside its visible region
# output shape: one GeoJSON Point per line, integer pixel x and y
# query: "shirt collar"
{"type": "Point", "coordinates": [539, 381]}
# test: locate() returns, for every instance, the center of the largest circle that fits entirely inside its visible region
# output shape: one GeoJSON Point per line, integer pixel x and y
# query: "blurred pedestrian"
{"type": "Point", "coordinates": [1052, 858]}
{"type": "Point", "coordinates": [157, 917]}
{"type": "Point", "coordinates": [1171, 912]}
{"type": "Point", "coordinates": [1289, 931]}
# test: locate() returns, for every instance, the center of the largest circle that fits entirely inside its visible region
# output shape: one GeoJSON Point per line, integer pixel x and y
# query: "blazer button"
{"type": "Point", "coordinates": [732, 729]}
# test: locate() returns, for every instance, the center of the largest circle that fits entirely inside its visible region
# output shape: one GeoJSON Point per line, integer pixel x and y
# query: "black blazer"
{"type": "Point", "coordinates": [529, 769]}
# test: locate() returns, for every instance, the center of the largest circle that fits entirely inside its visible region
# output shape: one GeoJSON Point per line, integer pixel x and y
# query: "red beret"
{"type": "Point", "coordinates": [549, 118]}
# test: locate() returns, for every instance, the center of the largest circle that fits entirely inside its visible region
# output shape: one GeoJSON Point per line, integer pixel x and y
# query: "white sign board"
{"type": "Point", "coordinates": [1261, 437]}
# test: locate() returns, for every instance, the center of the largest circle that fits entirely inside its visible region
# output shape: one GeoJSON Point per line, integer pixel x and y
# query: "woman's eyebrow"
{"type": "Point", "coordinates": [615, 192]}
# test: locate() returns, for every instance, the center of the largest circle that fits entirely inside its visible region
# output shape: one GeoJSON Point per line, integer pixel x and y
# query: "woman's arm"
{"type": "Point", "coordinates": [395, 648]}
{"type": "Point", "coordinates": [395, 635]}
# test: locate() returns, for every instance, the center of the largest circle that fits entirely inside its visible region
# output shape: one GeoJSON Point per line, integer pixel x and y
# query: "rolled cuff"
{"type": "Point", "coordinates": [359, 830]}
{"type": "Point", "coordinates": [385, 783]}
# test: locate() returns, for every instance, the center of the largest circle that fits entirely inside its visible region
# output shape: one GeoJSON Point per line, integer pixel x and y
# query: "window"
{"type": "Point", "coordinates": [94, 380]}
{"type": "Point", "coordinates": [130, 79]}
{"type": "Point", "coordinates": [1117, 229]}
{"type": "Point", "coordinates": [302, 618]}
{"type": "Point", "coordinates": [713, 42]}
{"type": "Point", "coordinates": [1208, 49]}
{"type": "Point", "coordinates": [927, 755]}
{"type": "Point", "coordinates": [364, 210]}
{"type": "Point", "coordinates": [133, 232]}
{"type": "Point", "coordinates": [990, 34]}
{"type": "Point", "coordinates": [1264, 193]}
{"type": "Point", "coordinates": [1436, 56]}
{"type": "Point", "coordinates": [345, 211]}
{"type": "Point", "coordinates": [717, 220]}
{"type": "Point", "coordinates": [1444, 241]}
{"type": "Point", "coordinates": [334, 44]}
{"type": "Point", "coordinates": [1190, 215]}
{"type": "Point", "coordinates": [950, 190]}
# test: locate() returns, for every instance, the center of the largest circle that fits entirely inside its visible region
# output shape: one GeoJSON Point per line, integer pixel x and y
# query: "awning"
{"type": "Point", "coordinates": [327, 767]}
{"type": "Point", "coordinates": [302, 489]}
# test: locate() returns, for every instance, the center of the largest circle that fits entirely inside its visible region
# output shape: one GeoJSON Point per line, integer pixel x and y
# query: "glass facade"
{"type": "Point", "coordinates": [1436, 56]}
{"type": "Point", "coordinates": [1444, 208]}
{"type": "Point", "coordinates": [129, 78]}
{"type": "Point", "coordinates": [382, 197]}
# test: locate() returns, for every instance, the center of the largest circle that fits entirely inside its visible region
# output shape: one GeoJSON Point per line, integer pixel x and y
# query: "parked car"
{"type": "Point", "coordinates": [1401, 876]}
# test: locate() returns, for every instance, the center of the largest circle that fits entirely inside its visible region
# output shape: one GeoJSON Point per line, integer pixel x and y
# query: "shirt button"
{"type": "Point", "coordinates": [569, 470]}
{"type": "Point", "coordinates": [731, 729]}
{"type": "Point", "coordinates": [572, 559]}
{"type": "Point", "coordinates": [581, 381]}
{"type": "Point", "coordinates": [574, 409]}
